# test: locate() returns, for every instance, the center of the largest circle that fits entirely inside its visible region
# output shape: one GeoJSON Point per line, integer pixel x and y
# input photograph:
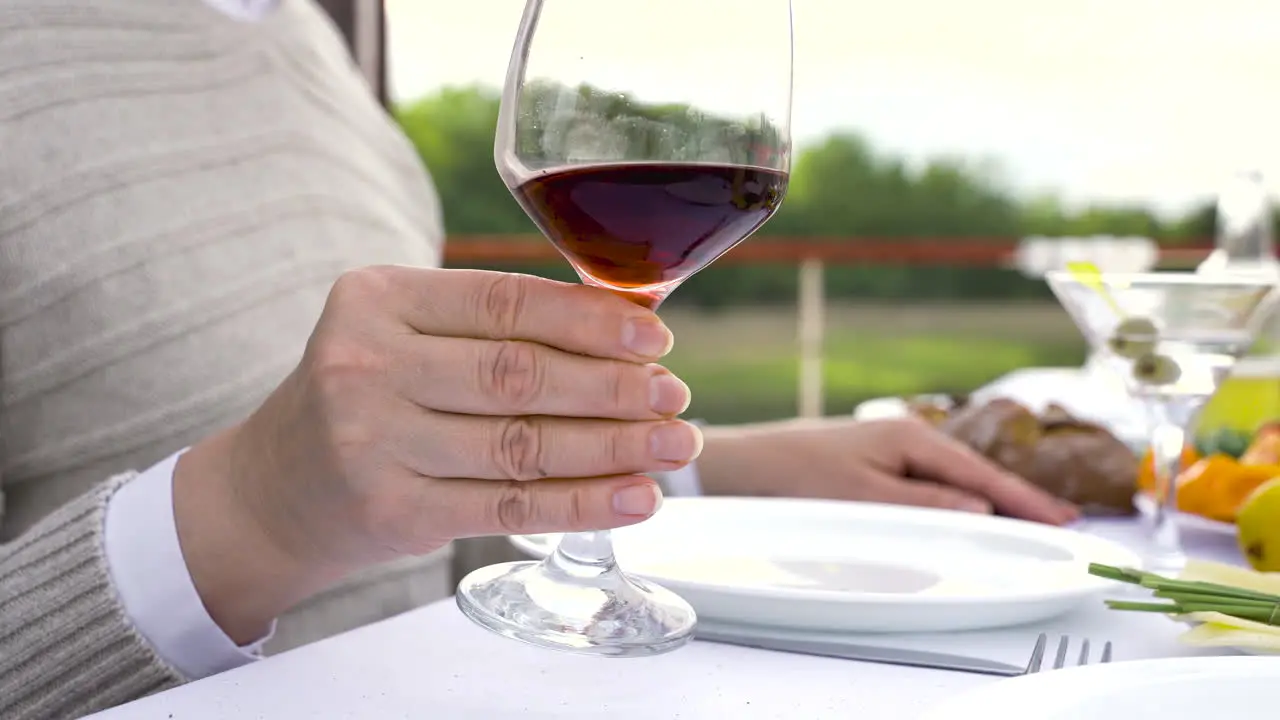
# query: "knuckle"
{"type": "Point", "coordinates": [516, 508]}
{"type": "Point", "coordinates": [362, 284]}
{"type": "Point", "coordinates": [337, 367]}
{"type": "Point", "coordinates": [502, 302]}
{"type": "Point", "coordinates": [519, 450]}
{"type": "Point", "coordinates": [350, 439]}
{"type": "Point", "coordinates": [521, 508]}
{"type": "Point", "coordinates": [617, 446]}
{"type": "Point", "coordinates": [513, 372]}
{"type": "Point", "coordinates": [618, 384]}
{"type": "Point", "coordinates": [576, 511]}
{"type": "Point", "coordinates": [339, 376]}
{"type": "Point", "coordinates": [346, 429]}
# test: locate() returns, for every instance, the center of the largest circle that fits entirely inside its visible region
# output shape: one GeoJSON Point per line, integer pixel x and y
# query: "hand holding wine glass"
{"type": "Point", "coordinates": [427, 407]}
{"type": "Point", "coordinates": [644, 148]}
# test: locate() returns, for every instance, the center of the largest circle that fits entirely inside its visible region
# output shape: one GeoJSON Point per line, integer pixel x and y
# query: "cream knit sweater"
{"type": "Point", "coordinates": [178, 191]}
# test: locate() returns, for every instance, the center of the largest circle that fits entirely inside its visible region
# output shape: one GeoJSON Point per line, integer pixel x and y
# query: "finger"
{"type": "Point", "coordinates": [511, 377]}
{"type": "Point", "coordinates": [446, 445]}
{"type": "Point", "coordinates": [935, 456]}
{"type": "Point", "coordinates": [477, 507]}
{"type": "Point", "coordinates": [923, 493]}
{"type": "Point", "coordinates": [508, 306]}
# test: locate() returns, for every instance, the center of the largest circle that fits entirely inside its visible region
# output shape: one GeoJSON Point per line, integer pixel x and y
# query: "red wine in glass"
{"type": "Point", "coordinates": [637, 226]}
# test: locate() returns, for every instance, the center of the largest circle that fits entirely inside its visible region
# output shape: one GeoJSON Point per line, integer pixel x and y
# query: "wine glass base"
{"type": "Point", "coordinates": [613, 616]}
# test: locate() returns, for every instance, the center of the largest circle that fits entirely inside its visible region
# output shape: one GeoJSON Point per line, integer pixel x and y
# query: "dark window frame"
{"type": "Point", "coordinates": [348, 14]}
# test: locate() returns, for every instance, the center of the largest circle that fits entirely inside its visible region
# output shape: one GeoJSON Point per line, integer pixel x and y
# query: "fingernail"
{"type": "Point", "coordinates": [642, 500]}
{"type": "Point", "coordinates": [675, 442]}
{"type": "Point", "coordinates": [668, 395]}
{"type": "Point", "coordinates": [647, 337]}
{"type": "Point", "coordinates": [975, 506]}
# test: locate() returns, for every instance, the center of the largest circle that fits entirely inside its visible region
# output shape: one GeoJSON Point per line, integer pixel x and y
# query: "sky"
{"type": "Point", "coordinates": [1156, 101]}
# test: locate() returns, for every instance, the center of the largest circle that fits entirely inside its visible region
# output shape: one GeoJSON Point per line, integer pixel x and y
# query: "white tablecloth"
{"type": "Point", "coordinates": [433, 663]}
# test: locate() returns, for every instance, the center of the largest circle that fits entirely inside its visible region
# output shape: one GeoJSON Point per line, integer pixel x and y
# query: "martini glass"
{"type": "Point", "coordinates": [1171, 339]}
{"type": "Point", "coordinates": [644, 147]}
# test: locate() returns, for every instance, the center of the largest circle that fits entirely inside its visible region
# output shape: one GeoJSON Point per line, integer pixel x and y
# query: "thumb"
{"type": "Point", "coordinates": [922, 493]}
{"type": "Point", "coordinates": [547, 506]}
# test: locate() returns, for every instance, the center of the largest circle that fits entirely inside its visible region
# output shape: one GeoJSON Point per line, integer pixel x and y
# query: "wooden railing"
{"type": "Point", "coordinates": [972, 252]}
{"type": "Point", "coordinates": [810, 255]}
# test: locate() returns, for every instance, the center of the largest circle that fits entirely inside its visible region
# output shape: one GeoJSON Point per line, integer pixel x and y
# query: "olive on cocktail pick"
{"type": "Point", "coordinates": [1155, 369]}
{"type": "Point", "coordinates": [1134, 338]}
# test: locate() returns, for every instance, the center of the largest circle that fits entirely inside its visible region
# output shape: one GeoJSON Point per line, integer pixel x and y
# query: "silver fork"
{"type": "Point", "coordinates": [1036, 663]}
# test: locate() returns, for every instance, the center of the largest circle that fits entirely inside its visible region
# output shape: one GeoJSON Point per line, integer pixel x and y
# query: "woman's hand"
{"type": "Point", "coordinates": [903, 461]}
{"type": "Point", "coordinates": [425, 407]}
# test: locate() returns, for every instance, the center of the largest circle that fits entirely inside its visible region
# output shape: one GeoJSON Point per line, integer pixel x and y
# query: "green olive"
{"type": "Point", "coordinates": [1134, 338]}
{"type": "Point", "coordinates": [1153, 369]}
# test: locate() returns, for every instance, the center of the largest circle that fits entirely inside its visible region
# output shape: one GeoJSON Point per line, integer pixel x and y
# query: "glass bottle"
{"type": "Point", "coordinates": [1245, 244]}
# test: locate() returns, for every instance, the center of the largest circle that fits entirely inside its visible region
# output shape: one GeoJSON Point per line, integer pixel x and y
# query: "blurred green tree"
{"type": "Point", "coordinates": [840, 187]}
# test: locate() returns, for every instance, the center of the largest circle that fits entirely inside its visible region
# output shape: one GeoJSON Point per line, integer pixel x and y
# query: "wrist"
{"type": "Point", "coordinates": [724, 467]}
{"type": "Point", "coordinates": [747, 460]}
{"type": "Point", "coordinates": [245, 580]}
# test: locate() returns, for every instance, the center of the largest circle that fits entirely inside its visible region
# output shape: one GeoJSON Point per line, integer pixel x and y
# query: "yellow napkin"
{"type": "Point", "coordinates": [1231, 576]}
{"type": "Point", "coordinates": [1214, 629]}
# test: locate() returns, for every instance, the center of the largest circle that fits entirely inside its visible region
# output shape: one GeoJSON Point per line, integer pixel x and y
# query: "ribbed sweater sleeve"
{"type": "Point", "coordinates": [67, 648]}
{"type": "Point", "coordinates": [178, 192]}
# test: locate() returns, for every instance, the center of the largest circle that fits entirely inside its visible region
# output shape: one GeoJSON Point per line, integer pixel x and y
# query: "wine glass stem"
{"type": "Point", "coordinates": [1171, 422]}
{"type": "Point", "coordinates": [583, 556]}
{"type": "Point", "coordinates": [588, 555]}
{"type": "Point", "coordinates": [1166, 452]}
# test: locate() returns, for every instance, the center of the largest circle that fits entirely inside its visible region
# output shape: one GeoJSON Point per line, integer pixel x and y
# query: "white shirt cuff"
{"type": "Point", "coordinates": [151, 577]}
{"type": "Point", "coordinates": [684, 482]}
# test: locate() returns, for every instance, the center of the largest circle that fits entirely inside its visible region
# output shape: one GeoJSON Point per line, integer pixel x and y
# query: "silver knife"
{"type": "Point", "coordinates": [867, 653]}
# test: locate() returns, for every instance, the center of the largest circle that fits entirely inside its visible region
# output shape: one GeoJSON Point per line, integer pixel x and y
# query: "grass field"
{"type": "Point", "coordinates": [742, 363]}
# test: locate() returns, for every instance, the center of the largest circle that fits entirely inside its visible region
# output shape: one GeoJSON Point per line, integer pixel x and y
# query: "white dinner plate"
{"type": "Point", "coordinates": [859, 567]}
{"type": "Point", "coordinates": [1240, 688]}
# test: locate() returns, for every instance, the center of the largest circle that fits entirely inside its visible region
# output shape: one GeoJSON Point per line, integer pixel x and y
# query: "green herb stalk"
{"type": "Point", "coordinates": [1191, 596]}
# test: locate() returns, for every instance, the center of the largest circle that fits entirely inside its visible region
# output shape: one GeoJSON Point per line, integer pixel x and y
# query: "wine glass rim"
{"type": "Point", "coordinates": [1180, 278]}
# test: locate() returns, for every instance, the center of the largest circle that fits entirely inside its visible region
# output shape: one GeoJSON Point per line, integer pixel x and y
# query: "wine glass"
{"type": "Point", "coordinates": [644, 141]}
{"type": "Point", "coordinates": [1171, 339]}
